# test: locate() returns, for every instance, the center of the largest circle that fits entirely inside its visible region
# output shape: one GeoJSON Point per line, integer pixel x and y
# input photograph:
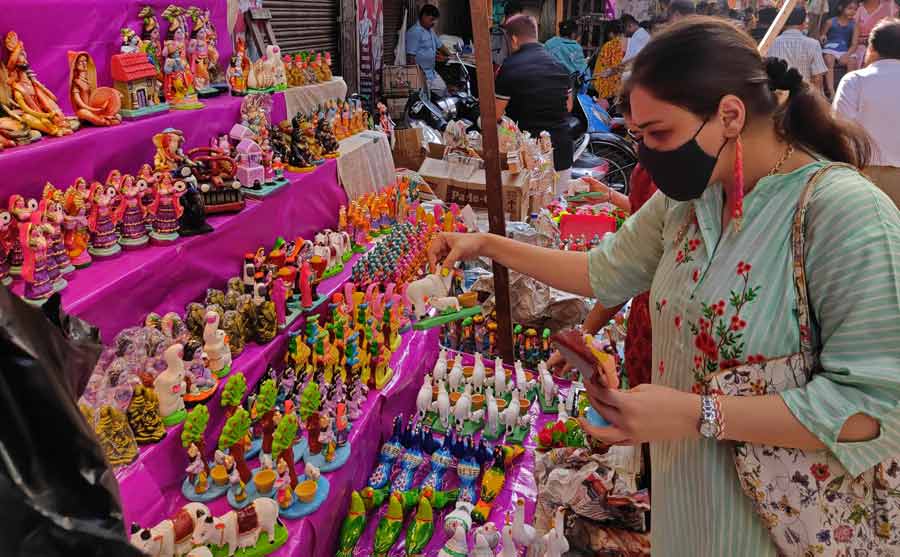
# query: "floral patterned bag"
{"type": "Point", "coordinates": [806, 499]}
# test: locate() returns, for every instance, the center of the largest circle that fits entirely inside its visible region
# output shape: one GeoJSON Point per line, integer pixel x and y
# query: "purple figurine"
{"type": "Point", "coordinates": [134, 229]}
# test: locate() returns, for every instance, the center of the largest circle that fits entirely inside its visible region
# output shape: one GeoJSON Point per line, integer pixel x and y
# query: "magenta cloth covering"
{"type": "Point", "coordinates": [51, 28]}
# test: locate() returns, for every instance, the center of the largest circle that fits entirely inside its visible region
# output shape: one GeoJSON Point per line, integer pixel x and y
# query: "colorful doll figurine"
{"type": "Point", "coordinates": [132, 212]}
{"type": "Point", "coordinates": [178, 80]}
{"type": "Point", "coordinates": [165, 211]}
{"type": "Point", "coordinates": [102, 221]}
{"type": "Point", "coordinates": [39, 109]}
{"type": "Point", "coordinates": [21, 211]}
{"type": "Point", "coordinates": [200, 60]}
{"type": "Point", "coordinates": [54, 218]}
{"type": "Point", "coordinates": [95, 105]}
{"type": "Point", "coordinates": [6, 242]}
{"type": "Point", "coordinates": [38, 285]}
{"type": "Point", "coordinates": [150, 38]}
{"type": "Point", "coordinates": [76, 237]}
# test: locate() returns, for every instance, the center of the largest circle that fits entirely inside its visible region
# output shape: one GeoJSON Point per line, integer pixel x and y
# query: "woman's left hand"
{"type": "Point", "coordinates": [645, 413]}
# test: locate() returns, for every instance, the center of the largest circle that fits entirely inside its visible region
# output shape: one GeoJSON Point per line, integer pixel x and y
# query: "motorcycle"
{"type": "Point", "coordinates": [608, 140]}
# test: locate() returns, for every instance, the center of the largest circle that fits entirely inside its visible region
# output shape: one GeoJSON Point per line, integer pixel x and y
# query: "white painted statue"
{"type": "Point", "coordinates": [425, 396]}
{"type": "Point", "coordinates": [431, 287]}
{"type": "Point", "coordinates": [169, 385]}
{"type": "Point", "coordinates": [226, 530]}
{"type": "Point", "coordinates": [214, 345]}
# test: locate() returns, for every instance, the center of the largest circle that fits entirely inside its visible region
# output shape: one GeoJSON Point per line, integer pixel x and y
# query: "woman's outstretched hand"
{"type": "Point", "coordinates": [449, 247]}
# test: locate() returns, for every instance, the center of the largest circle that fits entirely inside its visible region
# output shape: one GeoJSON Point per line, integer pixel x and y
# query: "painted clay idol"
{"type": "Point", "coordinates": [132, 212]}
{"type": "Point", "coordinates": [37, 103]}
{"type": "Point", "coordinates": [165, 210]}
{"type": "Point", "coordinates": [38, 284]}
{"type": "Point", "coordinates": [178, 80]}
{"type": "Point", "coordinates": [96, 105]}
{"type": "Point", "coordinates": [54, 218]}
{"type": "Point", "coordinates": [102, 221]}
{"type": "Point", "coordinates": [76, 236]}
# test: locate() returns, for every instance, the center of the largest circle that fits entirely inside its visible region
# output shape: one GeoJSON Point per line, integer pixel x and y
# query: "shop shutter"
{"type": "Point", "coordinates": [393, 18]}
{"type": "Point", "coordinates": [307, 25]}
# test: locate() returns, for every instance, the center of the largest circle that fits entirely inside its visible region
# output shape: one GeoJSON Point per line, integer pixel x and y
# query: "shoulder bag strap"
{"type": "Point", "coordinates": [798, 248]}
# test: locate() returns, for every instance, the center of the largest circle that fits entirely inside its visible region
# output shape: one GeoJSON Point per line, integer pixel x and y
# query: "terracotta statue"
{"type": "Point", "coordinates": [150, 37]}
{"type": "Point", "coordinates": [178, 79]}
{"type": "Point", "coordinates": [96, 105]}
{"type": "Point", "coordinates": [38, 104]}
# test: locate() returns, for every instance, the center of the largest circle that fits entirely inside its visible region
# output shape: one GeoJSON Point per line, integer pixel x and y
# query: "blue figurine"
{"type": "Point", "coordinates": [468, 471]}
{"type": "Point", "coordinates": [391, 449]}
{"type": "Point", "coordinates": [441, 461]}
{"type": "Point", "coordinates": [410, 462]}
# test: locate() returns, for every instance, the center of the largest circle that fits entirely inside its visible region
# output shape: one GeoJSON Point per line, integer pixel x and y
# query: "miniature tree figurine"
{"type": "Point", "coordinates": [143, 416]}
{"type": "Point", "coordinates": [234, 438]}
{"type": "Point", "coordinates": [265, 408]}
{"type": "Point", "coordinates": [194, 429]}
{"type": "Point", "coordinates": [310, 400]}
{"type": "Point", "coordinates": [283, 443]}
{"type": "Point", "coordinates": [233, 393]}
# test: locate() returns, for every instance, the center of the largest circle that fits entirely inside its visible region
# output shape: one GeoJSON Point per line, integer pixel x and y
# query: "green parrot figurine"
{"type": "Point", "coordinates": [420, 531]}
{"type": "Point", "coordinates": [440, 499]}
{"type": "Point", "coordinates": [389, 526]}
{"type": "Point", "coordinates": [374, 498]}
{"type": "Point", "coordinates": [353, 526]}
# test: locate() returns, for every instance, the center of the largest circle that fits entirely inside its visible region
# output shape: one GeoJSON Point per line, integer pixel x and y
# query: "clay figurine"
{"type": "Point", "coordinates": [173, 536]}
{"type": "Point", "coordinates": [165, 210]}
{"type": "Point", "coordinates": [95, 105]}
{"type": "Point", "coordinates": [34, 271]}
{"type": "Point", "coordinates": [523, 534]}
{"type": "Point", "coordinates": [170, 386]}
{"type": "Point", "coordinates": [234, 438]}
{"type": "Point", "coordinates": [178, 80]}
{"type": "Point", "coordinates": [39, 109]}
{"type": "Point", "coordinates": [240, 529]}
{"type": "Point", "coordinates": [457, 545]}
{"type": "Point", "coordinates": [555, 542]}
{"type": "Point", "coordinates": [102, 221]}
{"type": "Point", "coordinates": [143, 416]}
{"type": "Point", "coordinates": [115, 436]}
{"type": "Point", "coordinates": [217, 351]}
{"type": "Point", "coordinates": [238, 69]}
{"type": "Point", "coordinates": [132, 213]}
{"type": "Point", "coordinates": [54, 217]}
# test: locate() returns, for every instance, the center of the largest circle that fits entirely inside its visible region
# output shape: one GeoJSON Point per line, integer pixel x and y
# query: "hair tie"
{"type": "Point", "coordinates": [782, 77]}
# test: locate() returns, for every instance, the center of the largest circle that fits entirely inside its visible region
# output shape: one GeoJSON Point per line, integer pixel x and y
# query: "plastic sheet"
{"type": "Point", "coordinates": [57, 495]}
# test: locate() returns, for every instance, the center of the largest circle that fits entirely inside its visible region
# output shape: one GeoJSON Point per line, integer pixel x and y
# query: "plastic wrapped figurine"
{"type": "Point", "coordinates": [96, 105]}
{"type": "Point", "coordinates": [165, 211]}
{"type": "Point", "coordinates": [102, 221]}
{"type": "Point", "coordinates": [39, 109]}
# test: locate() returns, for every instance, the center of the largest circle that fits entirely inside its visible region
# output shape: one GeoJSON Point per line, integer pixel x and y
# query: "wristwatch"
{"type": "Point", "coordinates": [712, 422]}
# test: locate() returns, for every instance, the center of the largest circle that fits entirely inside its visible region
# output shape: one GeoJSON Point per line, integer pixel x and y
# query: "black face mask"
{"type": "Point", "coordinates": [681, 173]}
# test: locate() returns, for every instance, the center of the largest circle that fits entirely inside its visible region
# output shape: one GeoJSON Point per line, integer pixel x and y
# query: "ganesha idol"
{"type": "Point", "coordinates": [96, 105]}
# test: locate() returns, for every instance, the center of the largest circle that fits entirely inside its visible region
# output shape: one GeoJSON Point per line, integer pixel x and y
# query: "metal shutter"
{"type": "Point", "coordinates": [392, 19]}
{"type": "Point", "coordinates": [307, 25]}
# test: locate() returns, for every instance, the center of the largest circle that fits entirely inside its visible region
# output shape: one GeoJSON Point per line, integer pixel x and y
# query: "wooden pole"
{"type": "Point", "coordinates": [491, 150]}
{"type": "Point", "coordinates": [776, 27]}
{"type": "Point", "coordinates": [559, 14]}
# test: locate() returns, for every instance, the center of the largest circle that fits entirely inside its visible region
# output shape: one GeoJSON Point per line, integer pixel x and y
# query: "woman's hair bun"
{"type": "Point", "coordinates": [782, 77]}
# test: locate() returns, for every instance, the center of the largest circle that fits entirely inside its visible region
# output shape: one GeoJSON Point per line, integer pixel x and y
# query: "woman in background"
{"type": "Point", "coordinates": [610, 57]}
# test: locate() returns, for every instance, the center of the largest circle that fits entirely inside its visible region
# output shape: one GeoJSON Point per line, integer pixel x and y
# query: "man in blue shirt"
{"type": "Point", "coordinates": [422, 47]}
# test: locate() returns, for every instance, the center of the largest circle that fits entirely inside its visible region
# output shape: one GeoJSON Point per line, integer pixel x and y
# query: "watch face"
{"type": "Point", "coordinates": [709, 429]}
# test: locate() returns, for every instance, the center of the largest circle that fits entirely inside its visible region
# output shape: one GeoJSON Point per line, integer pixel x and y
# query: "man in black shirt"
{"type": "Point", "coordinates": [535, 91]}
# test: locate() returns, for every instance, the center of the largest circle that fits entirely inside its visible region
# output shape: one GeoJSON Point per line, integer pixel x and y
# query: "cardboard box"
{"type": "Point", "coordinates": [469, 188]}
{"type": "Point", "coordinates": [437, 150]}
{"type": "Point", "coordinates": [408, 151]}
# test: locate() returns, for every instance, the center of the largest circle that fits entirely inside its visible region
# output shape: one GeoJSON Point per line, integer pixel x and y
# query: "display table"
{"type": "Point", "coordinates": [307, 98]}
{"type": "Point", "coordinates": [366, 163]}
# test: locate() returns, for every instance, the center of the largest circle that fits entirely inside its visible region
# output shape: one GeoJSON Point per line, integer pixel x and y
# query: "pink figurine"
{"type": "Point", "coordinates": [54, 219]}
{"type": "Point", "coordinates": [102, 221]}
{"type": "Point", "coordinates": [21, 210]}
{"type": "Point", "coordinates": [131, 212]}
{"type": "Point", "coordinates": [47, 228]}
{"type": "Point", "coordinates": [38, 285]}
{"type": "Point", "coordinates": [306, 285]}
{"type": "Point", "coordinates": [165, 211]}
{"type": "Point", "coordinates": [278, 294]}
{"type": "Point", "coordinates": [6, 242]}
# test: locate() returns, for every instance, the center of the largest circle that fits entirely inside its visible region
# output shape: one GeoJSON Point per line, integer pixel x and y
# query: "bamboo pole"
{"type": "Point", "coordinates": [491, 152]}
{"type": "Point", "coordinates": [777, 26]}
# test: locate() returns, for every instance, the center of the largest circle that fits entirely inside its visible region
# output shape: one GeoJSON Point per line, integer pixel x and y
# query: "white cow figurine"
{"type": "Point", "coordinates": [217, 351]}
{"type": "Point", "coordinates": [510, 416]}
{"type": "Point", "coordinates": [424, 398]}
{"type": "Point", "coordinates": [232, 530]}
{"type": "Point", "coordinates": [493, 414]}
{"type": "Point", "coordinates": [172, 537]}
{"type": "Point", "coordinates": [463, 408]}
{"type": "Point", "coordinates": [433, 286]}
{"type": "Point", "coordinates": [442, 406]}
{"type": "Point", "coordinates": [441, 304]}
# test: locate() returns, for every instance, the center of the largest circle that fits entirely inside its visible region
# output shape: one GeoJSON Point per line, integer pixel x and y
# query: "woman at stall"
{"type": "Point", "coordinates": [611, 53]}
{"type": "Point", "coordinates": [776, 316]}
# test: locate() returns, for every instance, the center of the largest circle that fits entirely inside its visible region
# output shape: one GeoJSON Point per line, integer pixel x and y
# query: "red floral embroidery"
{"type": "Point", "coordinates": [695, 276]}
{"type": "Point", "coordinates": [662, 368]}
{"type": "Point", "coordinates": [678, 322]}
{"type": "Point", "coordinates": [661, 304]}
{"type": "Point", "coordinates": [716, 336]}
{"type": "Point", "coordinates": [686, 249]}
{"type": "Point", "coordinates": [679, 257]}
{"type": "Point", "coordinates": [756, 359]}
{"type": "Point", "coordinates": [843, 534]}
{"type": "Point", "coordinates": [694, 244]}
{"type": "Point", "coordinates": [820, 472]}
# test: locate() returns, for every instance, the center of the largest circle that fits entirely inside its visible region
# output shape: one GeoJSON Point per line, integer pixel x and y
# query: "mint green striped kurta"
{"type": "Point", "coordinates": [853, 265]}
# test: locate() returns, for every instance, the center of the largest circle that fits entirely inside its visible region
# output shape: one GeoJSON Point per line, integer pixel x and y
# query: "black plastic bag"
{"type": "Point", "coordinates": [58, 497]}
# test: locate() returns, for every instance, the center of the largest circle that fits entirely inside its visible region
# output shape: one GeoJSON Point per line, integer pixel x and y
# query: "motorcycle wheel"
{"type": "Point", "coordinates": [620, 165]}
